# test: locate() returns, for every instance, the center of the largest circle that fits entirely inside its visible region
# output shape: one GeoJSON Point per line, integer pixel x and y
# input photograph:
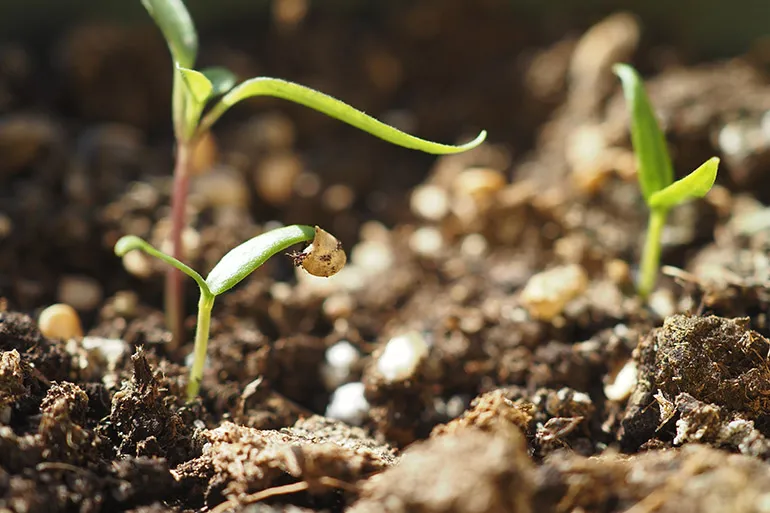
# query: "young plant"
{"type": "Point", "coordinates": [194, 90]}
{"type": "Point", "coordinates": [656, 175]}
{"type": "Point", "coordinates": [323, 257]}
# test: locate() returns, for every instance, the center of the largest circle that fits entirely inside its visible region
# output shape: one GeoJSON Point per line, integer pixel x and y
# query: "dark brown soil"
{"type": "Point", "coordinates": [544, 384]}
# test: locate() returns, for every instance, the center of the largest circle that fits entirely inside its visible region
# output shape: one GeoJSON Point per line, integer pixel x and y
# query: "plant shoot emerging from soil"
{"type": "Point", "coordinates": [324, 257]}
{"type": "Point", "coordinates": [194, 90]}
{"type": "Point", "coordinates": [656, 174]}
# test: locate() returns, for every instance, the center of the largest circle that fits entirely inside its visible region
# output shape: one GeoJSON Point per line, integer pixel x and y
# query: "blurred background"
{"type": "Point", "coordinates": [85, 133]}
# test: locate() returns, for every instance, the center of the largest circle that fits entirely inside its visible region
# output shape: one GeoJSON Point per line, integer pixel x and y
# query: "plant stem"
{"type": "Point", "coordinates": [174, 282]}
{"type": "Point", "coordinates": [651, 255]}
{"type": "Point", "coordinates": [205, 305]}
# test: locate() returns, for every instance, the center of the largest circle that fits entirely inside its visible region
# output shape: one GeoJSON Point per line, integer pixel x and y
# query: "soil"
{"type": "Point", "coordinates": [541, 382]}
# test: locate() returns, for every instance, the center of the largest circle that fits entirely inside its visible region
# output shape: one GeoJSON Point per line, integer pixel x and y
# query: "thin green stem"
{"type": "Point", "coordinates": [205, 305]}
{"type": "Point", "coordinates": [131, 242]}
{"type": "Point", "coordinates": [178, 105]}
{"type": "Point", "coordinates": [652, 249]}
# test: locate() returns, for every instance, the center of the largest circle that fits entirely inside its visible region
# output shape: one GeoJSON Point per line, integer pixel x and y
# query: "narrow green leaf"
{"type": "Point", "coordinates": [132, 242]}
{"type": "Point", "coordinates": [221, 78]}
{"type": "Point", "coordinates": [695, 185]}
{"type": "Point", "coordinates": [244, 259]}
{"type": "Point", "coordinates": [178, 29]}
{"type": "Point", "coordinates": [198, 86]}
{"type": "Point", "coordinates": [654, 162]}
{"type": "Point", "coordinates": [265, 86]}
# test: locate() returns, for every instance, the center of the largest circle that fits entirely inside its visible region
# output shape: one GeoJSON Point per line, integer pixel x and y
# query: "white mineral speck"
{"type": "Point", "coordinates": [348, 404]}
{"type": "Point", "coordinates": [426, 241]}
{"type": "Point", "coordinates": [430, 202]}
{"type": "Point", "coordinates": [620, 388]}
{"type": "Point", "coordinates": [340, 358]}
{"type": "Point", "coordinates": [372, 256]}
{"type": "Point", "coordinates": [343, 354]}
{"type": "Point", "coordinates": [402, 355]}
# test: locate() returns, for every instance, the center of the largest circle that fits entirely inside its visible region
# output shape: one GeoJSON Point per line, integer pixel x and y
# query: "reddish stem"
{"type": "Point", "coordinates": [174, 278]}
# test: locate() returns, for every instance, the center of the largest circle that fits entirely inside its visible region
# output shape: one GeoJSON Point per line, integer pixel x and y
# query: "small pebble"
{"type": "Point", "coordinates": [402, 356]}
{"type": "Point", "coordinates": [307, 185]}
{"type": "Point", "coordinates": [340, 359]}
{"type": "Point", "coordinates": [223, 187]}
{"type": "Point", "coordinates": [60, 321]}
{"type": "Point", "coordinates": [274, 130]}
{"type": "Point", "coordinates": [618, 271]}
{"type": "Point", "coordinates": [426, 241]}
{"type": "Point", "coordinates": [338, 198]}
{"type": "Point", "coordinates": [338, 306]}
{"type": "Point", "coordinates": [372, 256]}
{"type": "Point", "coordinates": [204, 155]}
{"type": "Point", "coordinates": [547, 293]}
{"type": "Point", "coordinates": [110, 350]}
{"type": "Point", "coordinates": [137, 264]}
{"type": "Point", "coordinates": [474, 245]}
{"type": "Point", "coordinates": [620, 387]}
{"type": "Point", "coordinates": [80, 292]}
{"type": "Point", "coordinates": [125, 303]}
{"type": "Point", "coordinates": [191, 244]}
{"type": "Point", "coordinates": [430, 202]}
{"type": "Point", "coordinates": [6, 226]}
{"type": "Point", "coordinates": [662, 302]}
{"type": "Point", "coordinates": [275, 176]}
{"type": "Point", "coordinates": [348, 404]}
{"type": "Point", "coordinates": [289, 13]}
{"type": "Point", "coordinates": [480, 183]}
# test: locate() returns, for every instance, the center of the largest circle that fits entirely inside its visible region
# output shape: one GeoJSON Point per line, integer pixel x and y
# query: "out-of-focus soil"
{"type": "Point", "coordinates": [538, 381]}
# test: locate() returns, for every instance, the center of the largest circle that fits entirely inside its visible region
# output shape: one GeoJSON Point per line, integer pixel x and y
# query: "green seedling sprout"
{"type": "Point", "coordinates": [194, 91]}
{"type": "Point", "coordinates": [324, 257]}
{"type": "Point", "coordinates": [656, 174]}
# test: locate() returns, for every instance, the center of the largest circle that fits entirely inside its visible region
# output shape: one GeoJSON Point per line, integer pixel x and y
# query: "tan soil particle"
{"type": "Point", "coordinates": [467, 471]}
{"type": "Point", "coordinates": [237, 460]}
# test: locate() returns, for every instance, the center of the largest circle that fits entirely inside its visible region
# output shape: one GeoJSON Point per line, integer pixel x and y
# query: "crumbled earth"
{"type": "Point", "coordinates": [689, 364]}
{"type": "Point", "coordinates": [541, 381]}
{"type": "Point", "coordinates": [469, 471]}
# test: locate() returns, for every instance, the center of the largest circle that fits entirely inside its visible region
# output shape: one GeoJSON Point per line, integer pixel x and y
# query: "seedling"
{"type": "Point", "coordinates": [194, 90]}
{"type": "Point", "coordinates": [656, 175]}
{"type": "Point", "coordinates": [324, 257]}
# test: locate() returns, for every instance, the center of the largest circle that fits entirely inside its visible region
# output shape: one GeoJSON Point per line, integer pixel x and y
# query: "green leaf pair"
{"type": "Point", "coordinates": [236, 265]}
{"type": "Point", "coordinates": [198, 88]}
{"type": "Point", "coordinates": [215, 89]}
{"type": "Point", "coordinates": [655, 172]}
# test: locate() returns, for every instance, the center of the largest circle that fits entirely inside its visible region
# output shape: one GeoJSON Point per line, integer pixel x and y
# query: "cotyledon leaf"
{"type": "Point", "coordinates": [655, 169]}
{"type": "Point", "coordinates": [177, 27]}
{"type": "Point", "coordinates": [695, 185]}
{"type": "Point", "coordinates": [266, 86]}
{"type": "Point", "coordinates": [242, 260]}
{"type": "Point", "coordinates": [221, 78]}
{"type": "Point", "coordinates": [197, 84]}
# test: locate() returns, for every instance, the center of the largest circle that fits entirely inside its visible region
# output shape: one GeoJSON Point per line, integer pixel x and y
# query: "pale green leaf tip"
{"type": "Point", "coordinates": [127, 243]}
{"type": "Point", "coordinates": [713, 164]}
{"type": "Point", "coordinates": [625, 72]}
{"type": "Point", "coordinates": [475, 142]}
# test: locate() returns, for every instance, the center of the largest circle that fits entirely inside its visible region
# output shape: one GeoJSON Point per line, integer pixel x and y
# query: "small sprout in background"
{"type": "Point", "coordinates": [238, 263]}
{"type": "Point", "coordinates": [193, 92]}
{"type": "Point", "coordinates": [656, 175]}
{"type": "Point", "coordinates": [60, 321]}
